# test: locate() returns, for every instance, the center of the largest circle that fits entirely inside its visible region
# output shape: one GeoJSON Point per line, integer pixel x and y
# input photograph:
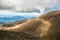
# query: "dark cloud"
{"type": "Point", "coordinates": [6, 7]}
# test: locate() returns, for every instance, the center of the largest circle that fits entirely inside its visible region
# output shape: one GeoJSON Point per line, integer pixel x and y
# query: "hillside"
{"type": "Point", "coordinates": [46, 26]}
{"type": "Point", "coordinates": [9, 24]}
{"type": "Point", "coordinates": [5, 35]}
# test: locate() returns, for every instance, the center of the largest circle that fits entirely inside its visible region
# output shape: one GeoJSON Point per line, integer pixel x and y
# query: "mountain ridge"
{"type": "Point", "coordinates": [46, 26]}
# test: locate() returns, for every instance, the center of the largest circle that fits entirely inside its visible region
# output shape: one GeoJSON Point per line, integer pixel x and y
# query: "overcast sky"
{"type": "Point", "coordinates": [19, 4]}
{"type": "Point", "coordinates": [30, 3]}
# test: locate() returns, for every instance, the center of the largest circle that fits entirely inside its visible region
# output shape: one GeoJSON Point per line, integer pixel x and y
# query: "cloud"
{"type": "Point", "coordinates": [11, 14]}
{"type": "Point", "coordinates": [18, 5]}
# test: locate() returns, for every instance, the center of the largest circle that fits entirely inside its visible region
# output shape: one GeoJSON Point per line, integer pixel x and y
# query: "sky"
{"type": "Point", "coordinates": [18, 5]}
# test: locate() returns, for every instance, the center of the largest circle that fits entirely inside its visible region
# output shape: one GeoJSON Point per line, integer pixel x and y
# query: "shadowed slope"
{"type": "Point", "coordinates": [6, 35]}
{"type": "Point", "coordinates": [46, 26]}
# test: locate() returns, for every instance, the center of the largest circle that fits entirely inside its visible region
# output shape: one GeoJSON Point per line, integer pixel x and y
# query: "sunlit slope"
{"type": "Point", "coordinates": [46, 26]}
{"type": "Point", "coordinates": [42, 24]}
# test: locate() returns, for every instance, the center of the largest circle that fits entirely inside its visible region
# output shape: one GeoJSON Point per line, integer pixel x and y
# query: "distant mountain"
{"type": "Point", "coordinates": [11, 19]}
{"type": "Point", "coordinates": [46, 27]}
{"type": "Point", "coordinates": [9, 24]}
{"type": "Point", "coordinates": [2, 23]}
